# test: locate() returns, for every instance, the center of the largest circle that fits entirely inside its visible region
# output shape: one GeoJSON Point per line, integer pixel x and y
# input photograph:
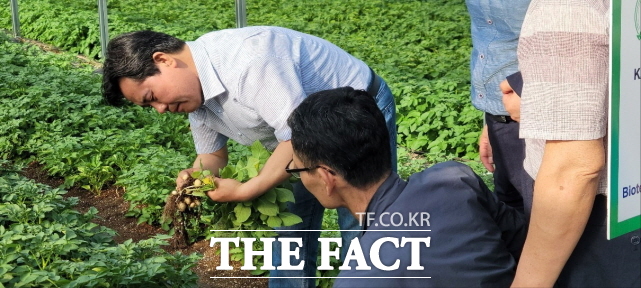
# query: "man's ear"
{"type": "Point", "coordinates": [162, 58]}
{"type": "Point", "coordinates": [329, 179]}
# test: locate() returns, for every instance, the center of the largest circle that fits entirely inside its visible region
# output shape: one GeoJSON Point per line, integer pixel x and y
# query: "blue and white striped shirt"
{"type": "Point", "coordinates": [253, 78]}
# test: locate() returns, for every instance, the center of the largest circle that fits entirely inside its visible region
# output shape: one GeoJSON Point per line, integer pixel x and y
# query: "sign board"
{"type": "Point", "coordinates": [624, 200]}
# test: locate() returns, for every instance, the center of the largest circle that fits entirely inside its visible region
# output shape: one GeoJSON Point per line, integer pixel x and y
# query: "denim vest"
{"type": "Point", "coordinates": [496, 25]}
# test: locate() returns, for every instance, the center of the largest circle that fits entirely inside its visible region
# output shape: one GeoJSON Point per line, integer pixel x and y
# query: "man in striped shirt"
{"type": "Point", "coordinates": [242, 84]}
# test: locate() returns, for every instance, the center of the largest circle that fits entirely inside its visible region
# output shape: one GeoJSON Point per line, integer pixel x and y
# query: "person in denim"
{"type": "Point", "coordinates": [242, 84]}
{"type": "Point", "coordinates": [496, 25]}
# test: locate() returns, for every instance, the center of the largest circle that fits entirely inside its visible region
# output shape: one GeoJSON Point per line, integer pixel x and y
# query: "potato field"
{"type": "Point", "coordinates": [53, 118]}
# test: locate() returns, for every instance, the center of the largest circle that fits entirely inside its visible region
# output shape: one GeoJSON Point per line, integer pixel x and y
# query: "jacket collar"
{"type": "Point", "coordinates": [385, 195]}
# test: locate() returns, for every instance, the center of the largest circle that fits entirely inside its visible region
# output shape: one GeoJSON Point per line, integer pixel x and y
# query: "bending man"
{"type": "Point", "coordinates": [242, 84]}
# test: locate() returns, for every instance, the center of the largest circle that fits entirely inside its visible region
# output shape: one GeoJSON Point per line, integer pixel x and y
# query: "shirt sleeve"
{"type": "Point", "coordinates": [276, 91]}
{"type": "Point", "coordinates": [516, 82]}
{"type": "Point", "coordinates": [563, 56]}
{"type": "Point", "coordinates": [206, 139]}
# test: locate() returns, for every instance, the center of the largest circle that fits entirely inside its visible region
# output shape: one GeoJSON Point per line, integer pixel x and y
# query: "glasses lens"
{"type": "Point", "coordinates": [296, 175]}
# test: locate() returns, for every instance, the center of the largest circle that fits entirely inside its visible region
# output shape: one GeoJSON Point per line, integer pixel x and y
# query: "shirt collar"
{"type": "Point", "coordinates": [209, 80]}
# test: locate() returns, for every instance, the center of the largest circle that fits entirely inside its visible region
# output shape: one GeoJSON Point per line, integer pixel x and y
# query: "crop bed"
{"type": "Point", "coordinates": [52, 114]}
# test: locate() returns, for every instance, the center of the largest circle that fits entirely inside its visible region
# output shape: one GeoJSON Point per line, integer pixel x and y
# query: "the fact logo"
{"type": "Point", "coordinates": [631, 190]}
{"type": "Point", "coordinates": [354, 253]}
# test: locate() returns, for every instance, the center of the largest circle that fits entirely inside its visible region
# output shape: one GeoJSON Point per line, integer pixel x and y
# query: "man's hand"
{"type": "Point", "coordinates": [212, 162]}
{"type": "Point", "coordinates": [229, 190]}
{"type": "Point", "coordinates": [485, 150]}
{"type": "Point", "coordinates": [273, 173]}
{"type": "Point", "coordinates": [180, 181]}
{"type": "Point", "coordinates": [511, 101]}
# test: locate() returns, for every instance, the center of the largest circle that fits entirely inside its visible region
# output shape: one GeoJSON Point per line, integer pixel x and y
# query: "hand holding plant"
{"type": "Point", "coordinates": [262, 213]}
{"type": "Point", "coordinates": [184, 202]}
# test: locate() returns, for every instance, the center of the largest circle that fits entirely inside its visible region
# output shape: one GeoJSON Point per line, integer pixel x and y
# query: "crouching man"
{"type": "Point", "coordinates": [441, 228]}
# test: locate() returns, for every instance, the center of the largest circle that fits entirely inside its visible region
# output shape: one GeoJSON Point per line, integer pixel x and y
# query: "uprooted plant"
{"type": "Point", "coordinates": [184, 203]}
{"type": "Point", "coordinates": [190, 210]}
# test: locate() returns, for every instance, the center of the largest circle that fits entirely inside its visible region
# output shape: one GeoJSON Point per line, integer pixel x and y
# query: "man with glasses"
{"type": "Point", "coordinates": [242, 84]}
{"type": "Point", "coordinates": [341, 155]}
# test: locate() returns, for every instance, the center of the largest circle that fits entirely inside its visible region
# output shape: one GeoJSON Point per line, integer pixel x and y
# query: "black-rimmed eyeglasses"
{"type": "Point", "coordinates": [296, 171]}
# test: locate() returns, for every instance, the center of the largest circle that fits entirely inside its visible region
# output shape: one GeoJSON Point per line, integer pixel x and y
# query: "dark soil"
{"type": "Point", "coordinates": [111, 211]}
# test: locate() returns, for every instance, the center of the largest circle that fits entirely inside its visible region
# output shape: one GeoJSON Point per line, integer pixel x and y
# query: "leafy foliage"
{"type": "Point", "coordinates": [52, 112]}
{"type": "Point", "coordinates": [263, 213]}
{"type": "Point", "coordinates": [421, 48]}
{"type": "Point", "coordinates": [45, 243]}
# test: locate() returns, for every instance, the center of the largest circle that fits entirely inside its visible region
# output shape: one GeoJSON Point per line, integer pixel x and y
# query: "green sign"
{"type": "Point", "coordinates": [624, 199]}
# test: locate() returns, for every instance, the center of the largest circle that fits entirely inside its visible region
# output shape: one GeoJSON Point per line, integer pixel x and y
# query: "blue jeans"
{"type": "Point", "coordinates": [385, 102]}
{"type": "Point", "coordinates": [311, 211]}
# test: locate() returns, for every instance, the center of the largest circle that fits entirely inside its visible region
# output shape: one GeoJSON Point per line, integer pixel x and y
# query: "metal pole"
{"type": "Point", "coordinates": [15, 19]}
{"type": "Point", "coordinates": [241, 14]}
{"type": "Point", "coordinates": [104, 31]}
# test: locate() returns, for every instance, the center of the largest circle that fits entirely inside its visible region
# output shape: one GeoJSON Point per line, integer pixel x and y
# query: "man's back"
{"type": "Point", "coordinates": [471, 234]}
{"type": "Point", "coordinates": [253, 77]}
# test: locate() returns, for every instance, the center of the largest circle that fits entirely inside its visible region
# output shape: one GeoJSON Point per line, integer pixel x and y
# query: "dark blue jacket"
{"type": "Point", "coordinates": [474, 238]}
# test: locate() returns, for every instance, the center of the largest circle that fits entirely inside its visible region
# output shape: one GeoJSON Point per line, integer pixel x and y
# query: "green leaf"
{"type": "Point", "coordinates": [251, 172]}
{"type": "Point", "coordinates": [257, 272]}
{"type": "Point", "coordinates": [289, 218]}
{"type": "Point", "coordinates": [26, 278]}
{"type": "Point", "coordinates": [256, 147]}
{"type": "Point", "coordinates": [240, 165]}
{"type": "Point", "coordinates": [227, 172]}
{"type": "Point", "coordinates": [266, 207]}
{"type": "Point", "coordinates": [274, 221]}
{"type": "Point", "coordinates": [240, 175]}
{"type": "Point", "coordinates": [199, 193]}
{"type": "Point", "coordinates": [285, 195]}
{"type": "Point", "coordinates": [270, 196]}
{"type": "Point", "coordinates": [242, 212]}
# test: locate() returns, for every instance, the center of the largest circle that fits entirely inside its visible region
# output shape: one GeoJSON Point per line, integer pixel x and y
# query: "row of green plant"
{"type": "Point", "coordinates": [50, 112]}
{"type": "Point", "coordinates": [54, 114]}
{"type": "Point", "coordinates": [421, 48]}
{"type": "Point", "coordinates": [44, 242]}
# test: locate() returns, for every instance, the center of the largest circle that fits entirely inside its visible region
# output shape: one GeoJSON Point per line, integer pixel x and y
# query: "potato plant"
{"type": "Point", "coordinates": [191, 212]}
{"type": "Point", "coordinates": [429, 77]}
{"type": "Point", "coordinates": [45, 242]}
{"type": "Point", "coordinates": [183, 203]}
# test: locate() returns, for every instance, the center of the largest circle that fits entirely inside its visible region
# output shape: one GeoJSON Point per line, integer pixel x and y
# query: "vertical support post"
{"type": "Point", "coordinates": [15, 19]}
{"type": "Point", "coordinates": [241, 14]}
{"type": "Point", "coordinates": [104, 31]}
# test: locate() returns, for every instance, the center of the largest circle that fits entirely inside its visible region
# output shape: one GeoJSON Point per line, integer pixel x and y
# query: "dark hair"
{"type": "Point", "coordinates": [130, 55]}
{"type": "Point", "coordinates": [344, 129]}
